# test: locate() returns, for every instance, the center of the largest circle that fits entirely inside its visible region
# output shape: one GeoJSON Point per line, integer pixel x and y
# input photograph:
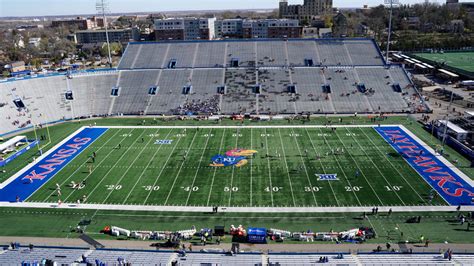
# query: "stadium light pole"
{"type": "Point", "coordinates": [446, 119]}
{"type": "Point", "coordinates": [391, 4]}
{"type": "Point", "coordinates": [103, 7]}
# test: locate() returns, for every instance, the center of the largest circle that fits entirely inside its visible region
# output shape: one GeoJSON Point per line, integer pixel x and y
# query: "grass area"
{"type": "Point", "coordinates": [57, 223]}
{"type": "Point", "coordinates": [282, 174]}
{"type": "Point", "coordinates": [438, 227]}
{"type": "Point", "coordinates": [461, 60]}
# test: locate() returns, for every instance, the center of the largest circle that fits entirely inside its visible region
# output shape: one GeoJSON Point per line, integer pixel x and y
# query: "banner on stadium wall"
{"type": "Point", "coordinates": [19, 153]}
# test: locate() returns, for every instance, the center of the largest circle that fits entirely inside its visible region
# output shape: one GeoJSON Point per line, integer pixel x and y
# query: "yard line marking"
{"type": "Point", "coordinates": [340, 167]}
{"type": "Point", "coordinates": [146, 167]}
{"type": "Point", "coordinates": [107, 173]}
{"type": "Point", "coordinates": [304, 165]}
{"type": "Point", "coordinates": [393, 166]}
{"type": "Point", "coordinates": [233, 167]}
{"type": "Point", "coordinates": [78, 168]}
{"type": "Point", "coordinates": [322, 166]}
{"type": "Point", "coordinates": [180, 168]}
{"type": "Point", "coordinates": [251, 166]}
{"type": "Point", "coordinates": [288, 170]}
{"type": "Point", "coordinates": [130, 166]}
{"type": "Point", "coordinates": [16, 169]}
{"type": "Point", "coordinates": [376, 167]}
{"type": "Point", "coordinates": [215, 170]}
{"type": "Point", "coordinates": [269, 168]}
{"type": "Point", "coordinates": [199, 165]}
{"type": "Point", "coordinates": [161, 171]}
{"type": "Point", "coordinates": [358, 167]}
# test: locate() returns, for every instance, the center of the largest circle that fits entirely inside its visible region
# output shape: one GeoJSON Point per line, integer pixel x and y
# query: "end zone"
{"type": "Point", "coordinates": [453, 185]}
{"type": "Point", "coordinates": [35, 175]}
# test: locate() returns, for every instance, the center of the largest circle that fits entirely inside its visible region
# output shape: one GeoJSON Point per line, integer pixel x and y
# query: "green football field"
{"type": "Point", "coordinates": [461, 60]}
{"type": "Point", "coordinates": [171, 166]}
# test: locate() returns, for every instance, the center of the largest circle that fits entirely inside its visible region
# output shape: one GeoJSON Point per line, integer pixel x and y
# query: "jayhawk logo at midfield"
{"type": "Point", "coordinates": [235, 157]}
{"type": "Point", "coordinates": [240, 152]}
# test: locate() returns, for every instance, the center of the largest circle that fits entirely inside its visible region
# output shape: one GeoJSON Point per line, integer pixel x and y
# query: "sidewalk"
{"type": "Point", "coordinates": [313, 248]}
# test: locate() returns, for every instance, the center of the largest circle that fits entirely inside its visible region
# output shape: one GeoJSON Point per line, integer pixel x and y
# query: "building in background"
{"type": "Point", "coordinates": [308, 11]}
{"type": "Point", "coordinates": [271, 28]}
{"type": "Point", "coordinates": [34, 42]}
{"type": "Point", "coordinates": [340, 25]}
{"type": "Point", "coordinates": [99, 36]}
{"type": "Point", "coordinates": [185, 29]}
{"type": "Point", "coordinates": [229, 28]}
{"type": "Point", "coordinates": [210, 28]}
{"type": "Point", "coordinates": [80, 23]}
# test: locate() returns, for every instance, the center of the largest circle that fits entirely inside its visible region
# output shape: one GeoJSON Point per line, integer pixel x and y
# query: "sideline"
{"type": "Point", "coordinates": [120, 207]}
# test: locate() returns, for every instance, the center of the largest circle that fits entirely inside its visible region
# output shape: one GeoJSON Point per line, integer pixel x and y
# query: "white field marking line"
{"type": "Point", "coordinates": [287, 170]}
{"type": "Point", "coordinates": [144, 169]}
{"type": "Point", "coordinates": [414, 169]}
{"type": "Point", "coordinates": [233, 167]}
{"type": "Point", "coordinates": [322, 166]}
{"type": "Point", "coordinates": [340, 167]}
{"type": "Point", "coordinates": [251, 166]}
{"type": "Point", "coordinates": [162, 169]}
{"type": "Point", "coordinates": [244, 127]}
{"type": "Point", "coordinates": [28, 166]}
{"type": "Point", "coordinates": [80, 167]}
{"type": "Point", "coordinates": [62, 168]}
{"type": "Point", "coordinates": [129, 167]}
{"type": "Point", "coordinates": [107, 173]}
{"type": "Point", "coordinates": [153, 208]}
{"type": "Point", "coordinates": [199, 217]}
{"type": "Point", "coordinates": [441, 158]}
{"type": "Point", "coordinates": [199, 165]}
{"type": "Point", "coordinates": [376, 167]}
{"type": "Point", "coordinates": [360, 169]}
{"type": "Point", "coordinates": [396, 169]}
{"type": "Point", "coordinates": [95, 166]}
{"type": "Point", "coordinates": [269, 167]}
{"type": "Point", "coordinates": [215, 170]}
{"type": "Point", "coordinates": [304, 165]}
{"type": "Point", "coordinates": [14, 170]}
{"type": "Point", "coordinates": [180, 168]}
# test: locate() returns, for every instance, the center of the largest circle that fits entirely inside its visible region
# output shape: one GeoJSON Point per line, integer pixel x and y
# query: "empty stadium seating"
{"type": "Point", "coordinates": [136, 257]}
{"type": "Point", "coordinates": [256, 75]}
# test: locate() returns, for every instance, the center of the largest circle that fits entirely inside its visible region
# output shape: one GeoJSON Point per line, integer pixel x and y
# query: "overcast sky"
{"type": "Point", "coordinates": [70, 7]}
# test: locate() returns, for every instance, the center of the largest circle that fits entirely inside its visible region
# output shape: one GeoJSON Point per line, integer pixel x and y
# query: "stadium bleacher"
{"type": "Point", "coordinates": [241, 66]}
{"type": "Point", "coordinates": [79, 256]}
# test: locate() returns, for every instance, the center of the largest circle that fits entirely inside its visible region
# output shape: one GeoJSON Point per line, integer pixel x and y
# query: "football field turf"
{"type": "Point", "coordinates": [460, 60]}
{"type": "Point", "coordinates": [171, 167]}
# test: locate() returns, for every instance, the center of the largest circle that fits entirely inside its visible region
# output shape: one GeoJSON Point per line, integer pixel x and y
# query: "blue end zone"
{"type": "Point", "coordinates": [444, 180]}
{"type": "Point", "coordinates": [45, 169]}
{"type": "Point", "coordinates": [20, 152]}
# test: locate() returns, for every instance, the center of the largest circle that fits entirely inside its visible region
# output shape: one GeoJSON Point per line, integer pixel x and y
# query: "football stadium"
{"type": "Point", "coordinates": [306, 135]}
